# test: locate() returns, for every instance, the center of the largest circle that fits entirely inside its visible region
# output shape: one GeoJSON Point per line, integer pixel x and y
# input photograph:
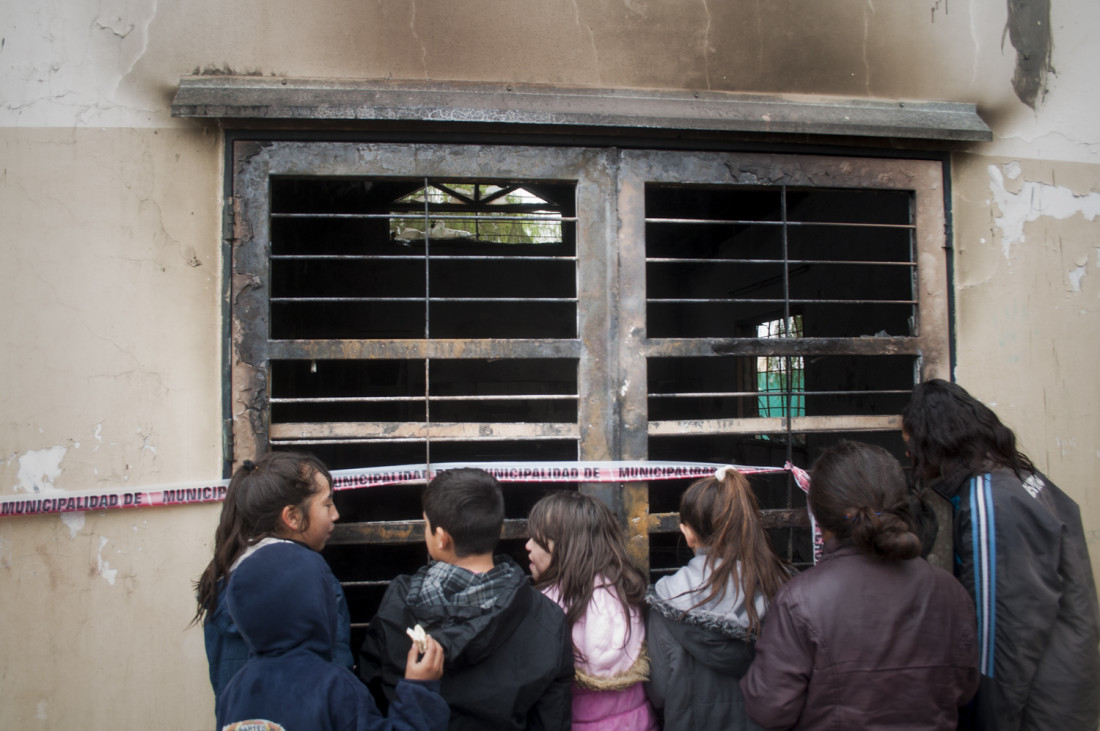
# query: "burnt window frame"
{"type": "Point", "coordinates": [612, 345]}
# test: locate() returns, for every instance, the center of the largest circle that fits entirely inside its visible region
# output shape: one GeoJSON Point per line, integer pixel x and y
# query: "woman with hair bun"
{"type": "Point", "coordinates": [873, 637]}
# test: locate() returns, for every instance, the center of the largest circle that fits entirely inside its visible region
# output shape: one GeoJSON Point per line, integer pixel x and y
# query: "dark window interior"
{"type": "Point", "coordinates": [436, 320]}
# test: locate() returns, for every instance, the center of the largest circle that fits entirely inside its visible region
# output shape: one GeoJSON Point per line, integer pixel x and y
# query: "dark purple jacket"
{"type": "Point", "coordinates": [857, 643]}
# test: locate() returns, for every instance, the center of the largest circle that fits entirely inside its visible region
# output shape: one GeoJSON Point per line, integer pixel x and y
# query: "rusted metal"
{"type": "Point", "coordinates": [632, 384]}
{"type": "Point", "coordinates": [775, 425]}
{"type": "Point", "coordinates": [403, 532]}
{"type": "Point", "coordinates": [470, 431]}
{"type": "Point", "coordinates": [420, 349]}
{"type": "Point", "coordinates": [410, 532]}
{"type": "Point", "coordinates": [794, 518]}
{"type": "Point", "coordinates": [611, 348]}
{"type": "Point", "coordinates": [248, 374]}
{"type": "Point", "coordinates": [872, 345]}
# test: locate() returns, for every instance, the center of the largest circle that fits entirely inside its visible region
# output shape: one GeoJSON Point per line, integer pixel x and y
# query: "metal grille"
{"type": "Point", "coordinates": [397, 304]}
{"type": "Point", "coordinates": [765, 266]}
{"type": "Point", "coordinates": [384, 260]}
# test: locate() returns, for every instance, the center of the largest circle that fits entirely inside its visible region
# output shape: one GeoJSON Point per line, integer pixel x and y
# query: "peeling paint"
{"type": "Point", "coordinates": [146, 441]}
{"type": "Point", "coordinates": [5, 547]}
{"type": "Point", "coordinates": [103, 568]}
{"type": "Point", "coordinates": [1033, 201]}
{"type": "Point", "coordinates": [74, 522]}
{"type": "Point", "coordinates": [37, 471]}
{"type": "Point", "coordinates": [39, 468]}
{"type": "Point", "coordinates": [1075, 276]}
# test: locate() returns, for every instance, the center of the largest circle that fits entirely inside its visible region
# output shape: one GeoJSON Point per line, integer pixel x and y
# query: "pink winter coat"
{"type": "Point", "coordinates": [610, 666]}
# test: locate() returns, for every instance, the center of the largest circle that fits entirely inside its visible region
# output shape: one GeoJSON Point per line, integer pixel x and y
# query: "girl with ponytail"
{"type": "Point", "coordinates": [704, 619]}
{"type": "Point", "coordinates": [873, 636]}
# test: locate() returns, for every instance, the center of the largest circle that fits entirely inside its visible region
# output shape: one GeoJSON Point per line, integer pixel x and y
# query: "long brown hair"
{"type": "Point", "coordinates": [724, 516]}
{"type": "Point", "coordinates": [253, 505]}
{"type": "Point", "coordinates": [588, 546]}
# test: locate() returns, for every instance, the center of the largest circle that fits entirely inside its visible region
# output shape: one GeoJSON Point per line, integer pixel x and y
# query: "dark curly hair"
{"type": "Point", "coordinates": [947, 430]}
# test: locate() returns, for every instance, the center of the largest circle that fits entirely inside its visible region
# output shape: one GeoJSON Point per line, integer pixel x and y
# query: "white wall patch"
{"type": "Point", "coordinates": [75, 521]}
{"type": "Point", "coordinates": [1032, 202]}
{"type": "Point", "coordinates": [103, 567]}
{"type": "Point", "coordinates": [1075, 276]}
{"type": "Point", "coordinates": [39, 468]}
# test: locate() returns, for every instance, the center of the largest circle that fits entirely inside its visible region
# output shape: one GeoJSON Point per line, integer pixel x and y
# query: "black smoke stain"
{"type": "Point", "coordinates": [1028, 28]}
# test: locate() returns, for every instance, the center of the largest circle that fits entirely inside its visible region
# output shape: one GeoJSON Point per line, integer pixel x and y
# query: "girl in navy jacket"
{"type": "Point", "coordinates": [280, 600]}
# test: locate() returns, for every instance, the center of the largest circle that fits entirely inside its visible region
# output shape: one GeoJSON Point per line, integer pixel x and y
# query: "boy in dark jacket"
{"type": "Point", "coordinates": [509, 653]}
{"type": "Point", "coordinates": [282, 602]}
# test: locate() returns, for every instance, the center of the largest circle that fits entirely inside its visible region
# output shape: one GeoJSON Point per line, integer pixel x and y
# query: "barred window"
{"type": "Point", "coordinates": [424, 303]}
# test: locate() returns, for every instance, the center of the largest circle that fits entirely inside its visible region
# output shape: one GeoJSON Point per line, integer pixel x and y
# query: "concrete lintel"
{"type": "Point", "coordinates": [274, 98]}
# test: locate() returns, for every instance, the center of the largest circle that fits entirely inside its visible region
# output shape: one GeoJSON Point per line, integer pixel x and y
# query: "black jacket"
{"type": "Point", "coordinates": [1020, 551]}
{"type": "Point", "coordinates": [697, 654]}
{"type": "Point", "coordinates": [508, 664]}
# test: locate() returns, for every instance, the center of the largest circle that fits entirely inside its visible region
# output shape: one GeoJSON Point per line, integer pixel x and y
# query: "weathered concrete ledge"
{"type": "Point", "coordinates": [274, 98]}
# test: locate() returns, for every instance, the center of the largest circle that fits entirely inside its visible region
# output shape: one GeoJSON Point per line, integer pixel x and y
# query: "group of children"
{"type": "Point", "coordinates": [872, 637]}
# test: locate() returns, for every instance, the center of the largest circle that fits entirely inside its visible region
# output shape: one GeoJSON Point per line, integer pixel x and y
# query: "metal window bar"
{"type": "Point", "coordinates": [427, 332]}
{"type": "Point", "coordinates": [790, 394]}
{"type": "Point", "coordinates": [431, 211]}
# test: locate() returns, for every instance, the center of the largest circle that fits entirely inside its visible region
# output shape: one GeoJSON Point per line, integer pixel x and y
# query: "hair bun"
{"type": "Point", "coordinates": [248, 465]}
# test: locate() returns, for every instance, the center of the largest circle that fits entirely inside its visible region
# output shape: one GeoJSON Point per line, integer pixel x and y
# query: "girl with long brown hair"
{"type": "Point", "coordinates": [704, 619]}
{"type": "Point", "coordinates": [579, 560]}
{"type": "Point", "coordinates": [282, 496]}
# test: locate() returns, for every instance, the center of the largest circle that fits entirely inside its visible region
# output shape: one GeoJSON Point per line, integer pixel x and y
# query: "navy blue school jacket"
{"type": "Point", "coordinates": [282, 602]}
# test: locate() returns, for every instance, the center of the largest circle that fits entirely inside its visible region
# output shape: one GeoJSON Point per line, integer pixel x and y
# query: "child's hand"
{"type": "Point", "coordinates": [428, 666]}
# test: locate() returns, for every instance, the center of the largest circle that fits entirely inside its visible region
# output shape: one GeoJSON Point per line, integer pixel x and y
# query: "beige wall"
{"type": "Point", "coordinates": [110, 260]}
{"type": "Point", "coordinates": [1028, 310]}
{"type": "Point", "coordinates": [111, 278]}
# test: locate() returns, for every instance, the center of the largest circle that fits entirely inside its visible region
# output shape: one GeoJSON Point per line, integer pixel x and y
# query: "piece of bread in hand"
{"type": "Point", "coordinates": [420, 637]}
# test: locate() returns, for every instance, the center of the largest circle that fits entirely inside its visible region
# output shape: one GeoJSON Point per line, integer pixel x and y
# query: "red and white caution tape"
{"type": "Point", "coordinates": [65, 501]}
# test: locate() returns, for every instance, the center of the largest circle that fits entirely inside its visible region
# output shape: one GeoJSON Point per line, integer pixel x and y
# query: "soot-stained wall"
{"type": "Point", "coordinates": [112, 279]}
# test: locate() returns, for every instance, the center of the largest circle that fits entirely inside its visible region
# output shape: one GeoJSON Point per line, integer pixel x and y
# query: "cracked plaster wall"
{"type": "Point", "coordinates": [110, 364]}
{"type": "Point", "coordinates": [111, 257]}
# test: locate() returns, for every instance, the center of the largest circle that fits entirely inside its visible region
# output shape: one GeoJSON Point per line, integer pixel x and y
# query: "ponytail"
{"type": "Point", "coordinates": [722, 512]}
{"type": "Point", "coordinates": [251, 511]}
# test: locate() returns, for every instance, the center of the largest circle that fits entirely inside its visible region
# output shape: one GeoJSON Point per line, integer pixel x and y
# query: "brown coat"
{"type": "Point", "coordinates": [857, 643]}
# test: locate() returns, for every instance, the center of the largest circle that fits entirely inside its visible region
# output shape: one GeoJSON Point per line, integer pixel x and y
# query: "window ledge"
{"type": "Point", "coordinates": [274, 98]}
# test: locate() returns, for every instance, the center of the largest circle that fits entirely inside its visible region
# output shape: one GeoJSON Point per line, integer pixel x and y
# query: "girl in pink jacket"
{"type": "Point", "coordinates": [579, 560]}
